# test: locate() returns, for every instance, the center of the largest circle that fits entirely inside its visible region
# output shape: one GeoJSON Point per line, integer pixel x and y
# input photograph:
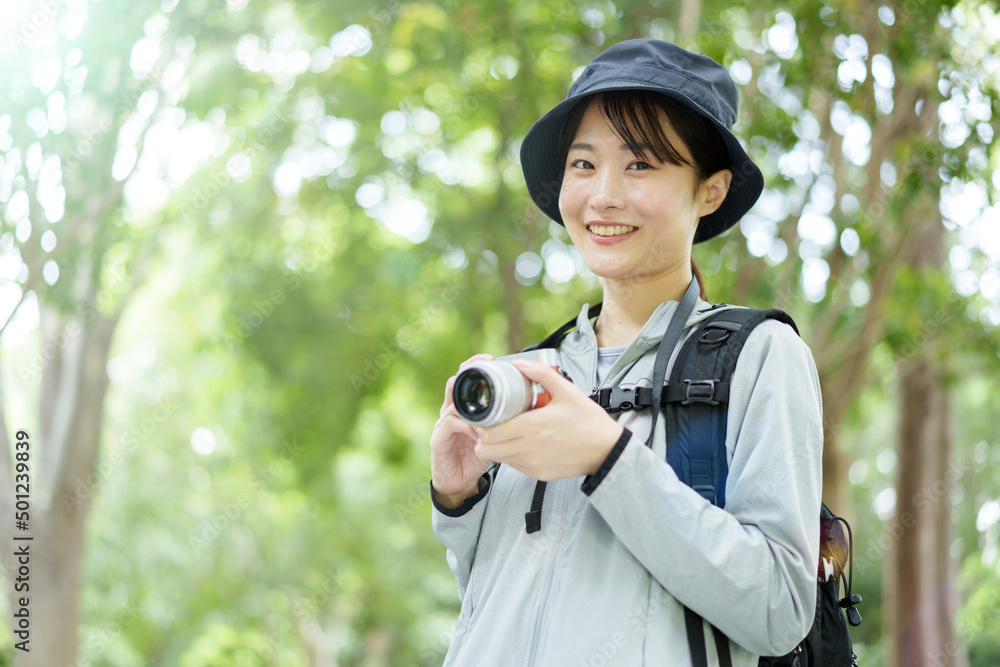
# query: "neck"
{"type": "Point", "coordinates": [627, 305]}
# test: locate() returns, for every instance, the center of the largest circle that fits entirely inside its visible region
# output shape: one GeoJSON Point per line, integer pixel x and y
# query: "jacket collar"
{"type": "Point", "coordinates": [652, 331]}
{"type": "Point", "coordinates": [580, 345]}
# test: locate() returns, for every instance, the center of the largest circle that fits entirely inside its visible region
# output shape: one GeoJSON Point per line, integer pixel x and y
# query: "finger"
{"type": "Point", "coordinates": [546, 376]}
{"type": "Point", "coordinates": [456, 424]}
{"type": "Point", "coordinates": [449, 426]}
{"type": "Point", "coordinates": [448, 401]}
{"type": "Point", "coordinates": [473, 359]}
{"type": "Point", "coordinates": [448, 409]}
{"type": "Point", "coordinates": [506, 433]}
{"type": "Point", "coordinates": [493, 435]}
{"type": "Point", "coordinates": [497, 453]}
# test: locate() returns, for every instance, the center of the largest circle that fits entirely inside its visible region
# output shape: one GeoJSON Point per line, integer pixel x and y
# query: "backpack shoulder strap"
{"type": "Point", "coordinates": [557, 336]}
{"type": "Point", "coordinates": [696, 423]}
{"type": "Point", "coordinates": [697, 403]}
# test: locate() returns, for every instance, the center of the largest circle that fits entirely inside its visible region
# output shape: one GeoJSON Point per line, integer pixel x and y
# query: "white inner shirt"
{"type": "Point", "coordinates": [606, 358]}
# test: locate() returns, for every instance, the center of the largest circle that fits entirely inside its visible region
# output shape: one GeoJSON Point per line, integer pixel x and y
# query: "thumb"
{"type": "Point", "coordinates": [544, 375]}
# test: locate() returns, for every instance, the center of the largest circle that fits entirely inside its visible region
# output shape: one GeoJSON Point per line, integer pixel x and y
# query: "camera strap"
{"type": "Point", "coordinates": [667, 344]}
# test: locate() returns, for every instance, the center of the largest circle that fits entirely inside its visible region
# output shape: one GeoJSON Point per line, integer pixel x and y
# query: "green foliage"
{"type": "Point", "coordinates": [6, 650]}
{"type": "Point", "coordinates": [979, 622]}
{"type": "Point", "coordinates": [287, 319]}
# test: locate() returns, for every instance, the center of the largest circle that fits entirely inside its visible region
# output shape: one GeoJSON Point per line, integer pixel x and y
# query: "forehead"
{"type": "Point", "coordinates": [595, 128]}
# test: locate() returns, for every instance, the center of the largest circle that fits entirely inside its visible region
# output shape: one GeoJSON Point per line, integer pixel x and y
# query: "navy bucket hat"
{"type": "Point", "coordinates": [692, 79]}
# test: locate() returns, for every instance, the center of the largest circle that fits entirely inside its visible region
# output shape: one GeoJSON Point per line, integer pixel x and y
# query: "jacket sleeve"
{"type": "Point", "coordinates": [458, 530]}
{"type": "Point", "coordinates": [749, 569]}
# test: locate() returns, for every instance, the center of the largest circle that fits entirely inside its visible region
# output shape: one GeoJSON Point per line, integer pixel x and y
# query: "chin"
{"type": "Point", "coordinates": [605, 272]}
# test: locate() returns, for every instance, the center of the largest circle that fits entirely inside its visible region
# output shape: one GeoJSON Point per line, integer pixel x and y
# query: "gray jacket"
{"type": "Point", "coordinates": [602, 583]}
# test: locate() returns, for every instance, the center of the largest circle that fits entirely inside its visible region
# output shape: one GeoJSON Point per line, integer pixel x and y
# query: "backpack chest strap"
{"type": "Point", "coordinates": [620, 399]}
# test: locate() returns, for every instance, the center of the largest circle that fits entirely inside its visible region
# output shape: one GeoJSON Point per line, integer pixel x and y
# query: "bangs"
{"type": "Point", "coordinates": [638, 120]}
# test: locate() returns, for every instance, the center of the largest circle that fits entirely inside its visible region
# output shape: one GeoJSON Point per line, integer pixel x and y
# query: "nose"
{"type": "Point", "coordinates": [607, 191]}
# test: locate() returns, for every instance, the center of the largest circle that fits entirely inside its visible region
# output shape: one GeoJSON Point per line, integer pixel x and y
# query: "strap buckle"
{"type": "Point", "coordinates": [700, 391]}
{"type": "Point", "coordinates": [622, 399]}
{"type": "Point", "coordinates": [706, 491]}
{"type": "Point", "coordinates": [602, 397]}
{"type": "Point", "coordinates": [615, 399]}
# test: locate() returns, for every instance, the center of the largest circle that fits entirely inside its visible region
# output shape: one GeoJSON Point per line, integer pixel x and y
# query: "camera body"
{"type": "Point", "coordinates": [487, 393]}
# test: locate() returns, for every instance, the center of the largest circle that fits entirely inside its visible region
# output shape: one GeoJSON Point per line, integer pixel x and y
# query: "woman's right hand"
{"type": "Point", "coordinates": [455, 468]}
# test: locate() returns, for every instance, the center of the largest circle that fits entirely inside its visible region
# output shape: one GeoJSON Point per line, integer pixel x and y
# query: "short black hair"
{"type": "Point", "coordinates": [640, 109]}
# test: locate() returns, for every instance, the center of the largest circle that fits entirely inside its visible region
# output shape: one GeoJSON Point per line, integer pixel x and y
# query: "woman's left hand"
{"type": "Point", "coordinates": [569, 437]}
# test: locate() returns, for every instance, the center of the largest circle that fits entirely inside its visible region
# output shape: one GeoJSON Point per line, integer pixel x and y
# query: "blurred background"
{"type": "Point", "coordinates": [244, 245]}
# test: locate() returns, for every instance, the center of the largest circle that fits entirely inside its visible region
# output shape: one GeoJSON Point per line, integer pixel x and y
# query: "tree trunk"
{"type": "Point", "coordinates": [512, 304]}
{"type": "Point", "coordinates": [56, 553]}
{"type": "Point", "coordinates": [920, 589]}
{"type": "Point", "coordinates": [689, 19]}
{"type": "Point", "coordinates": [835, 461]}
{"type": "Point", "coordinates": [63, 477]}
{"type": "Point", "coordinates": [920, 581]}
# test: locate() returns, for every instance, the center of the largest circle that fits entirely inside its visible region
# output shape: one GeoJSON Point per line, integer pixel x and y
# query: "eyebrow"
{"type": "Point", "coordinates": [583, 146]}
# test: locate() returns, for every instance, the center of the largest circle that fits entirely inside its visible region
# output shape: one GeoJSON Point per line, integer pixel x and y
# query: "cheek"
{"type": "Point", "coordinates": [568, 199]}
{"type": "Point", "coordinates": [666, 202]}
{"type": "Point", "coordinates": [652, 198]}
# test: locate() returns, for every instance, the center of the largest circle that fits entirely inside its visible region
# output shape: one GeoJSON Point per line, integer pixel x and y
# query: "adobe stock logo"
{"type": "Point", "coordinates": [27, 24]}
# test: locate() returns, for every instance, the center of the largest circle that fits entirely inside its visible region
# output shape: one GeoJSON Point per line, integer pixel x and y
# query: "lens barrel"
{"type": "Point", "coordinates": [490, 392]}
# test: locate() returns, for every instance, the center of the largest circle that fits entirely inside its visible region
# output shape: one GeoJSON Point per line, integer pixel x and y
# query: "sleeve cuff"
{"type": "Point", "coordinates": [470, 502]}
{"type": "Point", "coordinates": [590, 482]}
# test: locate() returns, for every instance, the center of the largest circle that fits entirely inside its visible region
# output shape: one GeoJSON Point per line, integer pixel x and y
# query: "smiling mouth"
{"type": "Point", "coordinates": [610, 230]}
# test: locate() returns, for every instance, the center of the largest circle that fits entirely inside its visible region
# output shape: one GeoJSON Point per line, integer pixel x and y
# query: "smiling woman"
{"type": "Point", "coordinates": [668, 161]}
{"type": "Point", "coordinates": [627, 567]}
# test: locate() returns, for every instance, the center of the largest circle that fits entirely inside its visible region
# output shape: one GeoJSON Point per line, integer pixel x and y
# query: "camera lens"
{"type": "Point", "coordinates": [473, 394]}
{"type": "Point", "coordinates": [491, 392]}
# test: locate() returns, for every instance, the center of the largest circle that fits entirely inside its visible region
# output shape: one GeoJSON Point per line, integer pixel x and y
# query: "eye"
{"type": "Point", "coordinates": [639, 165]}
{"type": "Point", "coordinates": [581, 164]}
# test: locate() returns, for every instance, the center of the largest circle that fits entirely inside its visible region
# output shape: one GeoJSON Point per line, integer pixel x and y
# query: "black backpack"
{"type": "Point", "coordinates": [695, 400]}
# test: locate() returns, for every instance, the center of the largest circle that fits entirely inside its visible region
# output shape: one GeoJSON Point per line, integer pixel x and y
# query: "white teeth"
{"type": "Point", "coordinates": [611, 230]}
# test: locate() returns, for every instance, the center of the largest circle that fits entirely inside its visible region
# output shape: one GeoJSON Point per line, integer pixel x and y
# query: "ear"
{"type": "Point", "coordinates": [713, 191]}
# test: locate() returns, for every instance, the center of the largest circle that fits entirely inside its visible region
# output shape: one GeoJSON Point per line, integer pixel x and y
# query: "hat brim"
{"type": "Point", "coordinates": [543, 173]}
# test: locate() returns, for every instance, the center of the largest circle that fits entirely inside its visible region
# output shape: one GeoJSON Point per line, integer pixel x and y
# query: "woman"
{"type": "Point", "coordinates": [638, 163]}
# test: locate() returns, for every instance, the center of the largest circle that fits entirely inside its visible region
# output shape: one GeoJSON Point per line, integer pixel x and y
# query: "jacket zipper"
{"type": "Point", "coordinates": [540, 626]}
